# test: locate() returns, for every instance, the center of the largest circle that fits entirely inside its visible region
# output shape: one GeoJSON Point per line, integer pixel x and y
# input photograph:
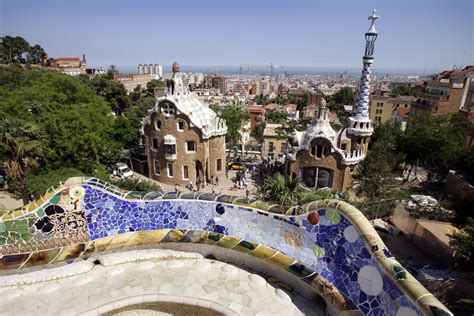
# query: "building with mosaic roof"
{"type": "Point", "coordinates": [183, 138]}
{"type": "Point", "coordinates": [324, 157]}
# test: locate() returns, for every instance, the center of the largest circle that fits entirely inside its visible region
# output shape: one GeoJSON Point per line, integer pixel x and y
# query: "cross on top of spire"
{"type": "Point", "coordinates": [374, 18]}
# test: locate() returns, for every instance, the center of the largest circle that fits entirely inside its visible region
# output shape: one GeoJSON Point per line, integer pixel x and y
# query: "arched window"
{"type": "Point", "coordinates": [313, 151]}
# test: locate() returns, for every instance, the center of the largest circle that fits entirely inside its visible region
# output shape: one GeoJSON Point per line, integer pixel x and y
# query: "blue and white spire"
{"type": "Point", "coordinates": [359, 123]}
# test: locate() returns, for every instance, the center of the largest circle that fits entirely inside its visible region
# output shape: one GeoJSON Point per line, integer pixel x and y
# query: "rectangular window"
{"type": "Point", "coordinates": [185, 173]}
{"type": "Point", "coordinates": [154, 143]}
{"type": "Point", "coordinates": [157, 125]}
{"type": "Point", "coordinates": [344, 146]}
{"type": "Point", "coordinates": [180, 126]}
{"type": "Point", "coordinates": [219, 164]}
{"type": "Point", "coordinates": [270, 147]}
{"type": "Point", "coordinates": [156, 167]}
{"type": "Point", "coordinates": [190, 146]}
{"type": "Point", "coordinates": [170, 170]}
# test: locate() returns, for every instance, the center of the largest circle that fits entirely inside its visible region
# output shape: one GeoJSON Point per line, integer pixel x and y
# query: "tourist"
{"type": "Point", "coordinates": [247, 193]}
{"type": "Point", "coordinates": [217, 181]}
{"type": "Point", "coordinates": [176, 188]}
{"type": "Point", "coordinates": [212, 180]}
{"type": "Point", "coordinates": [190, 185]}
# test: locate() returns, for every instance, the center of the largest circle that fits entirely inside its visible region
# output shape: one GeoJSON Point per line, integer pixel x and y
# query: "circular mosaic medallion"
{"type": "Point", "coordinates": [370, 280]}
{"type": "Point", "coordinates": [350, 234]}
{"type": "Point", "coordinates": [77, 192]}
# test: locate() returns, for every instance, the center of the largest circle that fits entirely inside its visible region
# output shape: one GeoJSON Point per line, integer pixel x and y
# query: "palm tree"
{"type": "Point", "coordinates": [277, 189]}
{"type": "Point", "coordinates": [20, 142]}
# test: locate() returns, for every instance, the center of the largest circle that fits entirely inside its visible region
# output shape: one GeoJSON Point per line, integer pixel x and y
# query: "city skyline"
{"type": "Point", "coordinates": [298, 34]}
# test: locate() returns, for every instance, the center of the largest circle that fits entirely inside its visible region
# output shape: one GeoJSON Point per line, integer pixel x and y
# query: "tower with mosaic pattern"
{"type": "Point", "coordinates": [359, 125]}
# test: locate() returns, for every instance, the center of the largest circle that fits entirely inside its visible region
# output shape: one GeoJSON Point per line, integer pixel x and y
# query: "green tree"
{"type": "Point", "coordinates": [151, 85]}
{"type": "Point", "coordinates": [277, 117]}
{"type": "Point", "coordinates": [258, 133]}
{"type": "Point", "coordinates": [404, 89]}
{"type": "Point", "coordinates": [113, 92]}
{"type": "Point", "coordinates": [20, 145]}
{"type": "Point", "coordinates": [276, 189]}
{"type": "Point", "coordinates": [235, 116]}
{"type": "Point", "coordinates": [13, 49]}
{"type": "Point", "coordinates": [112, 70]}
{"type": "Point", "coordinates": [375, 176]}
{"type": "Point", "coordinates": [36, 55]}
{"type": "Point", "coordinates": [434, 141]}
{"type": "Point", "coordinates": [78, 124]}
{"type": "Point", "coordinates": [345, 95]}
{"type": "Point", "coordinates": [376, 173]}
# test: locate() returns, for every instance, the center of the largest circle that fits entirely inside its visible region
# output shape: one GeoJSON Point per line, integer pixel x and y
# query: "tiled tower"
{"type": "Point", "coordinates": [359, 124]}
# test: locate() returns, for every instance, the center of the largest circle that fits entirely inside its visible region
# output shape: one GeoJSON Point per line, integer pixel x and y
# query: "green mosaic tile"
{"type": "Point", "coordinates": [55, 199]}
{"type": "Point", "coordinates": [40, 212]}
{"type": "Point", "coordinates": [333, 216]}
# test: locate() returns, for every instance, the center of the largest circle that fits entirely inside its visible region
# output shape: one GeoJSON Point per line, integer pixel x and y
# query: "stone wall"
{"type": "Point", "coordinates": [457, 186]}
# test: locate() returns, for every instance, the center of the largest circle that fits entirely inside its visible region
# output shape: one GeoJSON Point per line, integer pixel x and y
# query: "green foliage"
{"type": "Point", "coordinates": [77, 124]}
{"type": "Point", "coordinates": [133, 184]}
{"type": "Point", "coordinates": [40, 180]}
{"type": "Point", "coordinates": [276, 117]}
{"type": "Point", "coordinates": [276, 189]}
{"type": "Point", "coordinates": [258, 132]}
{"type": "Point", "coordinates": [151, 85]}
{"type": "Point", "coordinates": [404, 89]}
{"type": "Point", "coordinates": [375, 174]}
{"type": "Point", "coordinates": [345, 95]}
{"type": "Point", "coordinates": [235, 116]}
{"type": "Point", "coordinates": [317, 194]}
{"type": "Point", "coordinates": [434, 141]}
{"type": "Point", "coordinates": [289, 127]}
{"type": "Point", "coordinates": [113, 92]}
{"type": "Point", "coordinates": [18, 50]}
{"type": "Point", "coordinates": [465, 243]}
{"type": "Point", "coordinates": [20, 145]}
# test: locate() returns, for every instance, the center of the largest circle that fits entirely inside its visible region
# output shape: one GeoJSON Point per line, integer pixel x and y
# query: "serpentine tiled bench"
{"type": "Point", "coordinates": [332, 246]}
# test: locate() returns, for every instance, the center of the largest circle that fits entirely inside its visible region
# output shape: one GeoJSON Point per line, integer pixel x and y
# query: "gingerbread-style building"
{"type": "Point", "coordinates": [183, 138]}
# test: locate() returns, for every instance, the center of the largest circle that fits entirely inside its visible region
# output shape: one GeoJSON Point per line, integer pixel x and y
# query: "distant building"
{"type": "Point", "coordinates": [183, 138]}
{"type": "Point", "coordinates": [215, 83]}
{"type": "Point", "coordinates": [445, 93]}
{"type": "Point", "coordinates": [72, 66]}
{"type": "Point", "coordinates": [154, 70]}
{"type": "Point", "coordinates": [257, 116]}
{"type": "Point", "coordinates": [131, 81]}
{"type": "Point", "coordinates": [273, 146]}
{"type": "Point", "coordinates": [385, 108]}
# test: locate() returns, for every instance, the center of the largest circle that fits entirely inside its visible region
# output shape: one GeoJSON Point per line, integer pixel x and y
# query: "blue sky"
{"type": "Point", "coordinates": [413, 34]}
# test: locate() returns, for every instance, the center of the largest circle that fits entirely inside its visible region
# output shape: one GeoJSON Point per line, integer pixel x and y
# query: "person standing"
{"type": "Point", "coordinates": [217, 181]}
{"type": "Point", "coordinates": [176, 187]}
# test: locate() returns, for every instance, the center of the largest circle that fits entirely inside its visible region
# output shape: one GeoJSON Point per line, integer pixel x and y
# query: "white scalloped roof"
{"type": "Point", "coordinates": [187, 103]}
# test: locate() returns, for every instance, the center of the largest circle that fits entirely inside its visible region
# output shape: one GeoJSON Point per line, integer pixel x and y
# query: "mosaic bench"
{"type": "Point", "coordinates": [332, 247]}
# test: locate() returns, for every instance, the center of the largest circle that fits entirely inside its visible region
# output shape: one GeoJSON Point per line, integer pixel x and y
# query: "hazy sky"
{"type": "Point", "coordinates": [413, 34]}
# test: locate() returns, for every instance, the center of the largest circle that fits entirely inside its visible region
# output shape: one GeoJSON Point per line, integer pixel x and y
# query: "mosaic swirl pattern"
{"type": "Point", "coordinates": [332, 247]}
